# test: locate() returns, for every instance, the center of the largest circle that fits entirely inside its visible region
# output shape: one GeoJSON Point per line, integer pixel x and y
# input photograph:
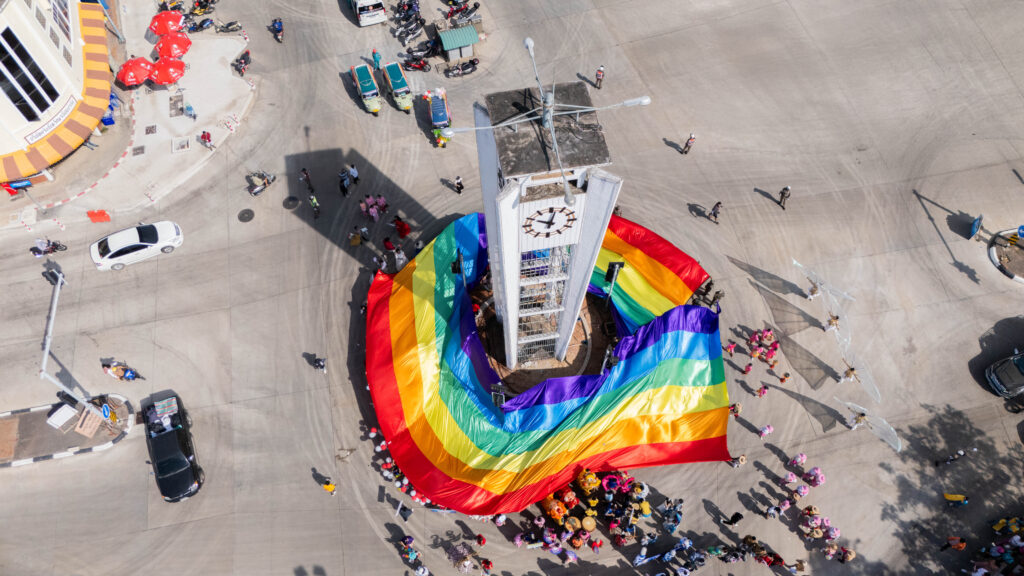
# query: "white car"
{"type": "Point", "coordinates": [135, 244]}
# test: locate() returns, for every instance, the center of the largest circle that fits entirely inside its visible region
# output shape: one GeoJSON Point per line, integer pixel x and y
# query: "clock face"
{"type": "Point", "coordinates": [548, 222]}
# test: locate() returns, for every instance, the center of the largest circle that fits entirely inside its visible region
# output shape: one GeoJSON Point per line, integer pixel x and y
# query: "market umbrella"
{"type": "Point", "coordinates": [166, 22]}
{"type": "Point", "coordinates": [134, 72]}
{"type": "Point", "coordinates": [173, 45]}
{"type": "Point", "coordinates": [167, 71]}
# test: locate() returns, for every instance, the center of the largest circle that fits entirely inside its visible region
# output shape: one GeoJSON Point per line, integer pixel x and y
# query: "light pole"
{"type": "Point", "coordinates": [546, 113]}
{"type": "Point", "coordinates": [58, 282]}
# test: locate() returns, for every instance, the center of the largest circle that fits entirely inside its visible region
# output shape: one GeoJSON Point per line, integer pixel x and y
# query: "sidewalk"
{"type": "Point", "coordinates": [26, 436]}
{"type": "Point", "coordinates": [153, 146]}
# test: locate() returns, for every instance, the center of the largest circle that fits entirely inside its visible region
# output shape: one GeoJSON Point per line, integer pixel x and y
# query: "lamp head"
{"type": "Point", "coordinates": [448, 133]}
{"type": "Point", "coordinates": [528, 42]}
{"type": "Point", "coordinates": [641, 101]}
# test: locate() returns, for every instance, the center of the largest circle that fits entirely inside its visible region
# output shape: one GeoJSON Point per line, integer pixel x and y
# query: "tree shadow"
{"type": "Point", "coordinates": [827, 416]}
{"type": "Point", "coordinates": [812, 369]}
{"type": "Point", "coordinates": [769, 280]}
{"type": "Point", "coordinates": [990, 477]}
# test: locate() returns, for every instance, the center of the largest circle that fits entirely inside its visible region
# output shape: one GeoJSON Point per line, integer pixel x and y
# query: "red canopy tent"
{"type": "Point", "coordinates": [167, 71]}
{"type": "Point", "coordinates": [134, 72]}
{"type": "Point", "coordinates": [173, 45]}
{"type": "Point", "coordinates": [166, 22]}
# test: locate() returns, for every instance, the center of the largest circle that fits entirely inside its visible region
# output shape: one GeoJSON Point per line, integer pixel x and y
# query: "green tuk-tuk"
{"type": "Point", "coordinates": [363, 79]}
{"type": "Point", "coordinates": [397, 85]}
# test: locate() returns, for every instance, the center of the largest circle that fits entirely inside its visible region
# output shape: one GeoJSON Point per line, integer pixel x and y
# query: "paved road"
{"type": "Point", "coordinates": [895, 123]}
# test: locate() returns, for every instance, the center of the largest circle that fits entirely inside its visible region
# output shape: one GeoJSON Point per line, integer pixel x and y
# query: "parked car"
{"type": "Point", "coordinates": [135, 244]}
{"type": "Point", "coordinates": [171, 451]}
{"type": "Point", "coordinates": [1006, 377]}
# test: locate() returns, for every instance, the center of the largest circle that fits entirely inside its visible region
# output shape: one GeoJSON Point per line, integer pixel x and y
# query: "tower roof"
{"type": "Point", "coordinates": [528, 150]}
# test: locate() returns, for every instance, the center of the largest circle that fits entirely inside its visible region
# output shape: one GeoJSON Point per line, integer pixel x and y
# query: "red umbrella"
{"type": "Point", "coordinates": [173, 45]}
{"type": "Point", "coordinates": [134, 71]}
{"type": "Point", "coordinates": [166, 22]}
{"type": "Point", "coordinates": [167, 71]}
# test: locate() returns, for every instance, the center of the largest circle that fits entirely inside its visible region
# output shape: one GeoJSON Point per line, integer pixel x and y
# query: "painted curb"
{"type": "Point", "coordinates": [72, 451]}
{"type": "Point", "coordinates": [995, 258]}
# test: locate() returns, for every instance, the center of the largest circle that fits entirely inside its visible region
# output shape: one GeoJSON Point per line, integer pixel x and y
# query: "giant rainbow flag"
{"type": "Point", "coordinates": [664, 402]}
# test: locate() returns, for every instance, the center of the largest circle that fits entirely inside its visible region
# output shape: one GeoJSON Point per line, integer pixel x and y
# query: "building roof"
{"type": "Point", "coordinates": [79, 117]}
{"type": "Point", "coordinates": [459, 37]}
{"type": "Point", "coordinates": [528, 150]}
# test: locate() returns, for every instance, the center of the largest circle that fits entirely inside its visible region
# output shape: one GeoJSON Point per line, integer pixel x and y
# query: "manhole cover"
{"type": "Point", "coordinates": [151, 129]}
{"type": "Point", "coordinates": [246, 215]}
{"type": "Point", "coordinates": [138, 150]}
{"type": "Point", "coordinates": [291, 202]}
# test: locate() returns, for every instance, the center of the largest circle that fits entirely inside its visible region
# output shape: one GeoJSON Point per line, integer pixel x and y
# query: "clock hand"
{"type": "Point", "coordinates": [549, 222]}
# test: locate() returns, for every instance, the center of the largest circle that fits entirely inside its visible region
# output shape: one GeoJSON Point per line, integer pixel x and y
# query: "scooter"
{"type": "Point", "coordinates": [201, 8]}
{"type": "Point", "coordinates": [47, 247]}
{"type": "Point", "coordinates": [416, 64]}
{"type": "Point", "coordinates": [277, 28]}
{"type": "Point", "coordinates": [412, 34]}
{"type": "Point", "coordinates": [403, 9]}
{"type": "Point", "coordinates": [408, 26]}
{"type": "Point", "coordinates": [121, 371]}
{"type": "Point", "coordinates": [259, 181]}
{"type": "Point", "coordinates": [175, 5]}
{"type": "Point", "coordinates": [232, 26]}
{"type": "Point", "coordinates": [241, 64]}
{"type": "Point", "coordinates": [466, 16]}
{"type": "Point", "coordinates": [424, 50]}
{"type": "Point", "coordinates": [193, 26]}
{"type": "Point", "coordinates": [467, 67]}
{"type": "Point", "coordinates": [455, 10]}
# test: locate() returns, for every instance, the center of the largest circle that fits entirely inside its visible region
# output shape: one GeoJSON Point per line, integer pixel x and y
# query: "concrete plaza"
{"type": "Point", "coordinates": [895, 124]}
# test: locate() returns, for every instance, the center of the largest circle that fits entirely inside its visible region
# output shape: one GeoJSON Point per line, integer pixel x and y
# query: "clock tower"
{"type": "Point", "coordinates": [547, 206]}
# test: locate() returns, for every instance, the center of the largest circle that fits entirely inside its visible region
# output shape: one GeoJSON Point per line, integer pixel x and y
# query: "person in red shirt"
{"type": "Point", "coordinates": [388, 245]}
{"type": "Point", "coordinates": [401, 226]}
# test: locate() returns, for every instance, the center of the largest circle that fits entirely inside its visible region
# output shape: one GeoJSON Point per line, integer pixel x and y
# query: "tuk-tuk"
{"type": "Point", "coordinates": [363, 78]}
{"type": "Point", "coordinates": [397, 85]}
{"type": "Point", "coordinates": [440, 114]}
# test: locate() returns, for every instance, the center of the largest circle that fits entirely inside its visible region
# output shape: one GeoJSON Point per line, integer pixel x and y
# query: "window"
{"type": "Point", "coordinates": [28, 3]}
{"type": "Point", "coordinates": [128, 250]}
{"type": "Point", "coordinates": [60, 16]}
{"type": "Point", "coordinates": [23, 80]}
{"type": "Point", "coordinates": [67, 56]}
{"type": "Point", "coordinates": [54, 38]}
{"type": "Point", "coordinates": [41, 18]}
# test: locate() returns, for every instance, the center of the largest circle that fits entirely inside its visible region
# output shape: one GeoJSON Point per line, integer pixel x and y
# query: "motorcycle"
{"type": "Point", "coordinates": [424, 50]}
{"type": "Point", "coordinates": [174, 5]}
{"type": "Point", "coordinates": [201, 8]}
{"type": "Point", "coordinates": [121, 371]}
{"type": "Point", "coordinates": [408, 26]}
{"type": "Point", "coordinates": [466, 16]}
{"type": "Point", "coordinates": [455, 10]}
{"type": "Point", "coordinates": [467, 67]}
{"type": "Point", "coordinates": [259, 181]}
{"type": "Point", "coordinates": [416, 64]}
{"type": "Point", "coordinates": [241, 64]}
{"type": "Point", "coordinates": [277, 28]}
{"type": "Point", "coordinates": [46, 247]}
{"type": "Point", "coordinates": [411, 34]}
{"type": "Point", "coordinates": [193, 26]}
{"type": "Point", "coordinates": [232, 26]}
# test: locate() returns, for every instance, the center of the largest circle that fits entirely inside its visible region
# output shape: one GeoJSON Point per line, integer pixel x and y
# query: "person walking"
{"type": "Point", "coordinates": [765, 431]}
{"type": "Point", "coordinates": [458, 185]}
{"type": "Point", "coordinates": [207, 140]}
{"type": "Point", "coordinates": [343, 183]}
{"type": "Point", "coordinates": [304, 177]}
{"type": "Point", "coordinates": [353, 172]}
{"type": "Point", "coordinates": [730, 348]}
{"type": "Point", "coordinates": [376, 59]}
{"type": "Point", "coordinates": [689, 144]}
{"type": "Point", "coordinates": [859, 419]}
{"type": "Point", "coordinates": [315, 204]}
{"type": "Point", "coordinates": [832, 323]}
{"type": "Point", "coordinates": [382, 204]}
{"type": "Point", "coordinates": [955, 542]}
{"type": "Point", "coordinates": [354, 238]}
{"type": "Point", "coordinates": [388, 244]}
{"type": "Point", "coordinates": [762, 391]}
{"type": "Point", "coordinates": [715, 211]}
{"type": "Point", "coordinates": [733, 520]}
{"type": "Point", "coordinates": [401, 227]}
{"type": "Point", "coordinates": [738, 461]}
{"type": "Point", "coordinates": [772, 512]}
{"type": "Point", "coordinates": [735, 409]}
{"type": "Point", "coordinates": [320, 364]}
{"type": "Point", "coordinates": [748, 367]}
{"type": "Point", "coordinates": [783, 196]}
{"type": "Point", "coordinates": [328, 486]}
{"type": "Point", "coordinates": [599, 77]}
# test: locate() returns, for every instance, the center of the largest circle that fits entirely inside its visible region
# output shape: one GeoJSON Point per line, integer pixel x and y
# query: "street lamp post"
{"type": "Point", "coordinates": [48, 338]}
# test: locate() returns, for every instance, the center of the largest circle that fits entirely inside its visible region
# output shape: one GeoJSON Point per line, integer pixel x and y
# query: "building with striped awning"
{"type": "Point", "coordinates": [55, 81]}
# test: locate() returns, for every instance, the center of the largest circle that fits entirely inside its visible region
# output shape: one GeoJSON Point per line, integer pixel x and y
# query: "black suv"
{"type": "Point", "coordinates": [171, 451]}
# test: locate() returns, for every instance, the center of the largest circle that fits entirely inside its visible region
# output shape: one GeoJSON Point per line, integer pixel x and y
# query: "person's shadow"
{"type": "Point", "coordinates": [673, 145]}
{"type": "Point", "coordinates": [766, 195]}
{"type": "Point", "coordinates": [318, 477]}
{"type": "Point", "coordinates": [696, 210]}
{"type": "Point", "coordinates": [586, 79]}
{"type": "Point", "coordinates": [449, 184]}
{"type": "Point", "coordinates": [310, 359]}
